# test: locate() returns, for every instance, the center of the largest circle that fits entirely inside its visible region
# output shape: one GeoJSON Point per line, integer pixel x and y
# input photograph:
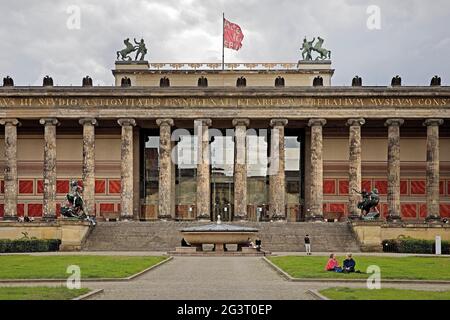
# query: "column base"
{"type": "Point", "coordinates": [354, 217]}
{"type": "Point", "coordinates": [204, 218]}
{"type": "Point", "coordinates": [393, 218]}
{"type": "Point", "coordinates": [165, 218]}
{"type": "Point", "coordinates": [433, 219]}
{"type": "Point", "coordinates": [240, 218]}
{"type": "Point", "coordinates": [9, 218]}
{"type": "Point", "coordinates": [315, 218]}
{"type": "Point", "coordinates": [49, 218]}
{"type": "Point", "coordinates": [277, 218]}
{"type": "Point", "coordinates": [126, 218]}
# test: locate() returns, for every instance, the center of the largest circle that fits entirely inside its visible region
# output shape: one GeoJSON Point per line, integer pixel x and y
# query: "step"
{"type": "Point", "coordinates": [165, 236]}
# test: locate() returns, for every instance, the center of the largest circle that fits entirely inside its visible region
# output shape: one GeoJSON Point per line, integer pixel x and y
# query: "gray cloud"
{"type": "Point", "coordinates": [414, 40]}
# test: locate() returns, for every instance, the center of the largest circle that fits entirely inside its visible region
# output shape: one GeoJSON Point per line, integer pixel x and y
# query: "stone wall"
{"type": "Point", "coordinates": [71, 233]}
{"type": "Point", "coordinates": [371, 234]}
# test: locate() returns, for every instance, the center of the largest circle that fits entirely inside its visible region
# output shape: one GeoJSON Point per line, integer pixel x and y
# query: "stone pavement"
{"type": "Point", "coordinates": [220, 278]}
{"type": "Point", "coordinates": [217, 278]}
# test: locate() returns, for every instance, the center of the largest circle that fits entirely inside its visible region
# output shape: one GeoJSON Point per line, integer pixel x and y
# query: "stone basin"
{"type": "Point", "coordinates": [218, 234]}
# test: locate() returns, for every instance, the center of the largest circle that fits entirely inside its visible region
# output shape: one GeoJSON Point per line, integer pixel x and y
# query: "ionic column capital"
{"type": "Point", "coordinates": [394, 122]}
{"type": "Point", "coordinates": [240, 122]}
{"type": "Point", "coordinates": [433, 122]}
{"type": "Point", "coordinates": [49, 121]}
{"type": "Point", "coordinates": [164, 122]}
{"type": "Point", "coordinates": [9, 122]}
{"type": "Point", "coordinates": [126, 122]}
{"type": "Point", "coordinates": [278, 122]}
{"type": "Point", "coordinates": [203, 122]}
{"type": "Point", "coordinates": [317, 122]}
{"type": "Point", "coordinates": [356, 122]}
{"type": "Point", "coordinates": [88, 121]}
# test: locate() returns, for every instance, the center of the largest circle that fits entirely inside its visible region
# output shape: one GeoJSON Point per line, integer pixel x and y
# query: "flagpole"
{"type": "Point", "coordinates": [223, 39]}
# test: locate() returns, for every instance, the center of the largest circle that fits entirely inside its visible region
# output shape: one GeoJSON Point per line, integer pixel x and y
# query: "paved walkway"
{"type": "Point", "coordinates": [217, 278]}
{"type": "Point", "coordinates": [160, 253]}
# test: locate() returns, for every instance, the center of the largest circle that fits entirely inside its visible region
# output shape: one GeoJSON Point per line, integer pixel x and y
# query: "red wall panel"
{"type": "Point", "coordinates": [367, 185]}
{"type": "Point", "coordinates": [100, 186]}
{"type": "Point", "coordinates": [329, 186]}
{"type": "Point", "coordinates": [343, 187]}
{"type": "Point", "coordinates": [381, 185]}
{"type": "Point", "coordinates": [35, 210]}
{"type": "Point", "coordinates": [40, 186]}
{"type": "Point", "coordinates": [409, 211]}
{"type": "Point", "coordinates": [423, 210]}
{"type": "Point", "coordinates": [62, 186]}
{"type": "Point", "coordinates": [26, 186]}
{"type": "Point", "coordinates": [444, 209]}
{"type": "Point", "coordinates": [106, 207]}
{"type": "Point", "coordinates": [20, 209]}
{"type": "Point", "coordinates": [114, 186]}
{"type": "Point", "coordinates": [337, 207]}
{"type": "Point", "coordinates": [418, 187]}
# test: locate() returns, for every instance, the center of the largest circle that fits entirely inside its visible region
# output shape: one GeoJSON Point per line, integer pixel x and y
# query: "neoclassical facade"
{"type": "Point", "coordinates": [165, 143]}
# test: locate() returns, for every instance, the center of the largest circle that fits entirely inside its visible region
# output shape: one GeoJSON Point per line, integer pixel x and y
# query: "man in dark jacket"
{"type": "Point", "coordinates": [307, 245]}
{"type": "Point", "coordinates": [349, 264]}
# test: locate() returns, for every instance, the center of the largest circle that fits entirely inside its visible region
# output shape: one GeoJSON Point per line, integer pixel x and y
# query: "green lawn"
{"type": "Point", "coordinates": [54, 267]}
{"type": "Point", "coordinates": [383, 294]}
{"type": "Point", "coordinates": [40, 293]}
{"type": "Point", "coordinates": [417, 268]}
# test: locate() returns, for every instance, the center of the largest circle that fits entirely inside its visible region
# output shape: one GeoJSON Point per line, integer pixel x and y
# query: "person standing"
{"type": "Point", "coordinates": [308, 245]}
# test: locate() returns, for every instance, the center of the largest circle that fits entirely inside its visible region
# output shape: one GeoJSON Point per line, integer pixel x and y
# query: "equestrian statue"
{"type": "Point", "coordinates": [74, 205]}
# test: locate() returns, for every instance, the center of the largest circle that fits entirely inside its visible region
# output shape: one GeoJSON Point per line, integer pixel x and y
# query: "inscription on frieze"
{"type": "Point", "coordinates": [195, 102]}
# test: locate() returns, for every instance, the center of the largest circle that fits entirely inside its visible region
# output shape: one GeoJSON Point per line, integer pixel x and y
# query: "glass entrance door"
{"type": "Point", "coordinates": [222, 175]}
{"type": "Point", "coordinates": [222, 200]}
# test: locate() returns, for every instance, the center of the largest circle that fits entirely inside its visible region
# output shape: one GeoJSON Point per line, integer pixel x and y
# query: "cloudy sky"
{"type": "Point", "coordinates": [413, 39]}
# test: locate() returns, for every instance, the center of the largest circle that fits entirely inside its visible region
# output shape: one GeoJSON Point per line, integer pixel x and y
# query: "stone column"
{"type": "Point", "coordinates": [432, 125]}
{"type": "Point", "coordinates": [10, 178]}
{"type": "Point", "coordinates": [126, 175]}
{"type": "Point", "coordinates": [354, 172]}
{"type": "Point", "coordinates": [49, 203]}
{"type": "Point", "coordinates": [165, 169]}
{"type": "Point", "coordinates": [277, 180]}
{"type": "Point", "coordinates": [203, 170]}
{"type": "Point", "coordinates": [89, 164]}
{"type": "Point", "coordinates": [240, 168]}
{"type": "Point", "coordinates": [393, 197]}
{"type": "Point", "coordinates": [316, 191]}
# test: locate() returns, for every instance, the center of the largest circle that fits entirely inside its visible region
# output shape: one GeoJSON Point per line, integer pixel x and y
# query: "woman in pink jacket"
{"type": "Point", "coordinates": [333, 264]}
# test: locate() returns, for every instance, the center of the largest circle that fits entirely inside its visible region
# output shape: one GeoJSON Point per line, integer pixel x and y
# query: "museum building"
{"type": "Point", "coordinates": [247, 141]}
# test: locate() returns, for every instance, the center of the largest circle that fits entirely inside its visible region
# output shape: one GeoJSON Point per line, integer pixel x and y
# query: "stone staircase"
{"type": "Point", "coordinates": [275, 236]}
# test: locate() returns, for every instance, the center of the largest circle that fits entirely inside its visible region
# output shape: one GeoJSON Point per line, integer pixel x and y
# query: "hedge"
{"type": "Point", "coordinates": [29, 245]}
{"type": "Point", "coordinates": [409, 245]}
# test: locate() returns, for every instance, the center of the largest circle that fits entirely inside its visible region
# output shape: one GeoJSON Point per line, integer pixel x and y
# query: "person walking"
{"type": "Point", "coordinates": [308, 245]}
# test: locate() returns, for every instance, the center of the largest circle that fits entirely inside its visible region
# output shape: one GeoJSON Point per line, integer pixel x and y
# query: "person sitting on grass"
{"type": "Point", "coordinates": [349, 264]}
{"type": "Point", "coordinates": [333, 264]}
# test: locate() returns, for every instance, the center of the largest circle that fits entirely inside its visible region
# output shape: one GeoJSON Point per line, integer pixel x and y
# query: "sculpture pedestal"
{"type": "Point", "coordinates": [314, 64]}
{"type": "Point", "coordinates": [132, 65]}
{"type": "Point", "coordinates": [371, 216]}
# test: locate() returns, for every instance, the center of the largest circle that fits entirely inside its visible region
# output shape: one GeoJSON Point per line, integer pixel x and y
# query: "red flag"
{"type": "Point", "coordinates": [232, 35]}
